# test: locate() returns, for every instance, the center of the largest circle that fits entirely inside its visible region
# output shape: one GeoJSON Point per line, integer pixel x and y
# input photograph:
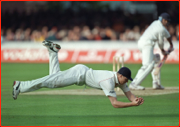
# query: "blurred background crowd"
{"type": "Point", "coordinates": [74, 21]}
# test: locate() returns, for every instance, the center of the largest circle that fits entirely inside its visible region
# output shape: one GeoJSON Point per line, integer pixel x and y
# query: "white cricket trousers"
{"type": "Point", "coordinates": [56, 77]}
{"type": "Point", "coordinates": [149, 62]}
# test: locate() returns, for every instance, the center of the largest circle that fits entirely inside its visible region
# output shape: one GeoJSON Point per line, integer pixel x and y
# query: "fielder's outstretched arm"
{"type": "Point", "coordinates": [119, 104]}
{"type": "Point", "coordinates": [131, 97]}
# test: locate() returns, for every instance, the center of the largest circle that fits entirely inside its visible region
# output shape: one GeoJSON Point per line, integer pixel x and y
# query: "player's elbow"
{"type": "Point", "coordinates": [113, 101]}
{"type": "Point", "coordinates": [114, 104]}
{"type": "Point", "coordinates": [118, 104]}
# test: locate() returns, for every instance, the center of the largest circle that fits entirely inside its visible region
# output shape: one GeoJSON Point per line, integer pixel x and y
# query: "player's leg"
{"type": "Point", "coordinates": [156, 78]}
{"type": "Point", "coordinates": [147, 66]}
{"type": "Point", "coordinates": [74, 75]}
{"type": "Point", "coordinates": [59, 79]}
{"type": "Point", "coordinates": [53, 56]}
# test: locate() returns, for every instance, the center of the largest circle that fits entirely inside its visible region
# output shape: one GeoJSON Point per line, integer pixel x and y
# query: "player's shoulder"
{"type": "Point", "coordinates": [155, 23]}
{"type": "Point", "coordinates": [125, 85]}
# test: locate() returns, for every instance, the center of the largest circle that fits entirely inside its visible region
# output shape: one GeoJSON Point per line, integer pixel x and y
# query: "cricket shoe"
{"type": "Point", "coordinates": [51, 46]}
{"type": "Point", "coordinates": [16, 89]}
{"type": "Point", "coordinates": [136, 87]}
{"type": "Point", "coordinates": [157, 86]}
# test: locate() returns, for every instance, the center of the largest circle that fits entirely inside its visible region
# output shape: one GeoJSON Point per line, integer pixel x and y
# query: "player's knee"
{"type": "Point", "coordinates": [83, 67]}
{"type": "Point", "coordinates": [156, 58]}
{"type": "Point", "coordinates": [144, 67]}
{"type": "Point", "coordinates": [53, 85]}
{"type": "Point", "coordinates": [148, 68]}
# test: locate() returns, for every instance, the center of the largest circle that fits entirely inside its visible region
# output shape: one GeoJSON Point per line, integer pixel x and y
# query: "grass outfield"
{"type": "Point", "coordinates": [70, 110]}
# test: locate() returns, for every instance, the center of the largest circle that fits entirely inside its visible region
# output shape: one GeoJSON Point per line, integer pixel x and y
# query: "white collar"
{"type": "Point", "coordinates": [160, 23]}
{"type": "Point", "coordinates": [116, 78]}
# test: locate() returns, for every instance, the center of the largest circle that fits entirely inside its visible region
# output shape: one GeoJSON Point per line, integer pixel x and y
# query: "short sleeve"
{"type": "Point", "coordinates": [124, 87]}
{"type": "Point", "coordinates": [166, 34]}
{"type": "Point", "coordinates": [108, 87]}
{"type": "Point", "coordinates": [163, 34]}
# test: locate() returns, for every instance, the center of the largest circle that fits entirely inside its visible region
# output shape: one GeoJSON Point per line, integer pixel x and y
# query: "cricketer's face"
{"type": "Point", "coordinates": [122, 79]}
{"type": "Point", "coordinates": [165, 22]}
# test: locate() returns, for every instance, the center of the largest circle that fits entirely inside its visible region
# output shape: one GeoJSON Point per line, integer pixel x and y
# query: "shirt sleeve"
{"type": "Point", "coordinates": [166, 34]}
{"type": "Point", "coordinates": [162, 35]}
{"type": "Point", "coordinates": [124, 87]}
{"type": "Point", "coordinates": [108, 87]}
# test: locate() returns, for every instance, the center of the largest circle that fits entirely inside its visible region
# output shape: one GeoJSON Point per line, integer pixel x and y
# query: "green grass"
{"type": "Point", "coordinates": [76, 110]}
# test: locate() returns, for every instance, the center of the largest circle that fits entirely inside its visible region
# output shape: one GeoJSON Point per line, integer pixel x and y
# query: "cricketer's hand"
{"type": "Point", "coordinates": [138, 101]}
{"type": "Point", "coordinates": [141, 100]}
{"type": "Point", "coordinates": [170, 49]}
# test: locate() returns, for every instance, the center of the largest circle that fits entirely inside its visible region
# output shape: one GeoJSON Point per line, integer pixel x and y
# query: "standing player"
{"type": "Point", "coordinates": [156, 32]}
{"type": "Point", "coordinates": [80, 75]}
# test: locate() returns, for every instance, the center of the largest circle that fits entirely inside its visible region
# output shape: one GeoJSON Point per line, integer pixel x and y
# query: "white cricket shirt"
{"type": "Point", "coordinates": [104, 80]}
{"type": "Point", "coordinates": [156, 32]}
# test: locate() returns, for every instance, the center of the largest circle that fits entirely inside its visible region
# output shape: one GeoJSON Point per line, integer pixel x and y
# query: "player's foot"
{"type": "Point", "coordinates": [157, 86]}
{"type": "Point", "coordinates": [136, 87]}
{"type": "Point", "coordinates": [16, 89]}
{"type": "Point", "coordinates": [51, 46]}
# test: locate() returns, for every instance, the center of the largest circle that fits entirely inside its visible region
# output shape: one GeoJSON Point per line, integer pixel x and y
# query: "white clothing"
{"type": "Point", "coordinates": [105, 80]}
{"type": "Point", "coordinates": [57, 78]}
{"type": "Point", "coordinates": [156, 32]}
{"type": "Point", "coordinates": [79, 75]}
